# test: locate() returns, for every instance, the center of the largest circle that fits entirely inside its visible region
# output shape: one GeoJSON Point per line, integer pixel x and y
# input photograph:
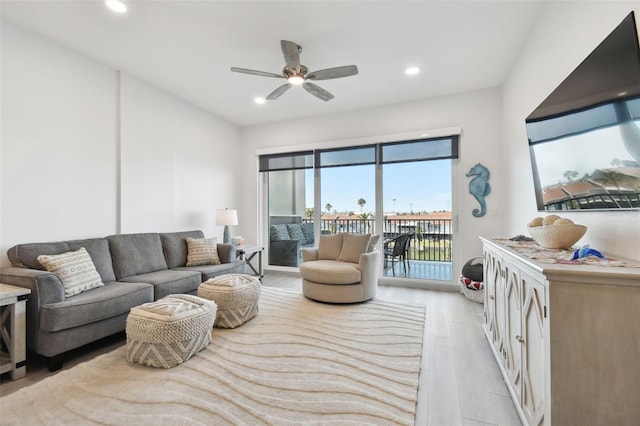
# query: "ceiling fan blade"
{"type": "Point", "coordinates": [291, 52]}
{"type": "Point", "coordinates": [317, 91]}
{"type": "Point", "coordinates": [254, 72]}
{"type": "Point", "coordinates": [278, 92]}
{"type": "Point", "coordinates": [337, 72]}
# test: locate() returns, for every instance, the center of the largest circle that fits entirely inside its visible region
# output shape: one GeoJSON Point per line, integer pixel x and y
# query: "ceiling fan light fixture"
{"type": "Point", "coordinates": [116, 5]}
{"type": "Point", "coordinates": [296, 80]}
{"type": "Point", "coordinates": [297, 74]}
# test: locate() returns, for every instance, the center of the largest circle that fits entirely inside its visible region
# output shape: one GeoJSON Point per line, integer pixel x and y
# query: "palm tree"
{"type": "Point", "coordinates": [570, 175]}
{"type": "Point", "coordinates": [309, 214]}
{"type": "Point", "coordinates": [364, 220]}
{"type": "Point", "coordinates": [361, 203]}
{"type": "Point", "coordinates": [328, 207]}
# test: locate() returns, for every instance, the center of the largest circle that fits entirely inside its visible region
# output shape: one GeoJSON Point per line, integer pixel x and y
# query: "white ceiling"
{"type": "Point", "coordinates": [187, 47]}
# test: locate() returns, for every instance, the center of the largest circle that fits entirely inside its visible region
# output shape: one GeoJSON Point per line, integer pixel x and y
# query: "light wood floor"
{"type": "Point", "coordinates": [460, 383]}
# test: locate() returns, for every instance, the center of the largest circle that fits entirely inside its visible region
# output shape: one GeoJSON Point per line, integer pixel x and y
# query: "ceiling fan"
{"type": "Point", "coordinates": [297, 74]}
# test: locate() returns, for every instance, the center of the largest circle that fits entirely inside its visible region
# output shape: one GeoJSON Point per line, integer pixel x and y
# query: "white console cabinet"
{"type": "Point", "coordinates": [566, 337]}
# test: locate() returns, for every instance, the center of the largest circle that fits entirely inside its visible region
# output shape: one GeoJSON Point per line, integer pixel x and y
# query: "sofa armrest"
{"type": "Point", "coordinates": [45, 286]}
{"type": "Point", "coordinates": [226, 252]}
{"type": "Point", "coordinates": [368, 266]}
{"type": "Point", "coordinates": [309, 254]}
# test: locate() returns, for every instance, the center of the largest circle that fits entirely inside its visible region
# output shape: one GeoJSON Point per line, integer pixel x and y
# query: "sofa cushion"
{"type": "Point", "coordinates": [169, 282]}
{"type": "Point", "coordinates": [174, 245]}
{"type": "Point", "coordinates": [98, 249]}
{"type": "Point", "coordinates": [135, 254]}
{"type": "Point", "coordinates": [210, 271]}
{"type": "Point", "coordinates": [307, 231]}
{"type": "Point", "coordinates": [279, 233]}
{"type": "Point", "coordinates": [372, 242]}
{"type": "Point", "coordinates": [202, 251]}
{"type": "Point", "coordinates": [26, 255]}
{"type": "Point", "coordinates": [109, 301]}
{"type": "Point", "coordinates": [353, 245]}
{"type": "Point", "coordinates": [329, 246]}
{"type": "Point", "coordinates": [295, 233]}
{"type": "Point", "coordinates": [75, 269]}
{"type": "Point", "coordinates": [330, 272]}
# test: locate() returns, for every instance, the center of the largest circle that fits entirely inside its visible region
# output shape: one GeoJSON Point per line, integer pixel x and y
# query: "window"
{"type": "Point", "coordinates": [410, 181]}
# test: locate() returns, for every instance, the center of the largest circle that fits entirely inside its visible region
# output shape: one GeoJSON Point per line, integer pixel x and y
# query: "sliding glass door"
{"type": "Point", "coordinates": [401, 190]}
{"type": "Point", "coordinates": [288, 177]}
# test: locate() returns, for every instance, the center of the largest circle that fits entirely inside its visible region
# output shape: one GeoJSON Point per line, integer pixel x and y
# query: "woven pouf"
{"type": "Point", "coordinates": [236, 296]}
{"type": "Point", "coordinates": [169, 331]}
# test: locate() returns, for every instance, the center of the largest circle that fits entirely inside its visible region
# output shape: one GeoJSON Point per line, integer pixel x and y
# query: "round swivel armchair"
{"type": "Point", "coordinates": [342, 269]}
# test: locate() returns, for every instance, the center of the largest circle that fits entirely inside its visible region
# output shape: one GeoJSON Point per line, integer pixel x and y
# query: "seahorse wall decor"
{"type": "Point", "coordinates": [479, 187]}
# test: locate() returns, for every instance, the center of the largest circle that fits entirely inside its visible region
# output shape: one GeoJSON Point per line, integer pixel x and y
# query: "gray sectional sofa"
{"type": "Point", "coordinates": [135, 268]}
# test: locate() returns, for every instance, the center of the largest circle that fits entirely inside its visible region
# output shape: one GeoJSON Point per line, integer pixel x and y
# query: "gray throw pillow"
{"type": "Point", "coordinates": [295, 232]}
{"type": "Point", "coordinates": [279, 233]}
{"type": "Point", "coordinates": [307, 231]}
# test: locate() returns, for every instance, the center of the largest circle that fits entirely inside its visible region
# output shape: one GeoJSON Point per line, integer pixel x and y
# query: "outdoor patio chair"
{"type": "Point", "coordinates": [397, 248]}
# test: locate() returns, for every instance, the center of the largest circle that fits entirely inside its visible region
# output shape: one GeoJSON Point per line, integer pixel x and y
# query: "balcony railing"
{"type": "Point", "coordinates": [431, 239]}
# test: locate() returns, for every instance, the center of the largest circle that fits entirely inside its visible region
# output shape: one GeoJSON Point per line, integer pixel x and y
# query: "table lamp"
{"type": "Point", "coordinates": [227, 218]}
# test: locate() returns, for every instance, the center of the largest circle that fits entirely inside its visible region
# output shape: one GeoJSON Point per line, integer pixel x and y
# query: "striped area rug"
{"type": "Point", "coordinates": [297, 362]}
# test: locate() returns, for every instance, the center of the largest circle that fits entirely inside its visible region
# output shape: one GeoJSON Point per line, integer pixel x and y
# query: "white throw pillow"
{"type": "Point", "coordinates": [75, 269]}
{"type": "Point", "coordinates": [202, 251]}
{"type": "Point", "coordinates": [372, 243]}
{"type": "Point", "coordinates": [353, 245]}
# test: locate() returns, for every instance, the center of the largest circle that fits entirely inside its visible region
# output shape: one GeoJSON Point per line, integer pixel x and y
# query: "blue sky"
{"type": "Point", "coordinates": [417, 186]}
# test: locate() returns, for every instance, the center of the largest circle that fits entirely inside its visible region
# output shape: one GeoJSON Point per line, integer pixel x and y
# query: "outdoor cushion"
{"type": "Point", "coordinates": [295, 232]}
{"type": "Point", "coordinates": [307, 231]}
{"type": "Point", "coordinates": [279, 233]}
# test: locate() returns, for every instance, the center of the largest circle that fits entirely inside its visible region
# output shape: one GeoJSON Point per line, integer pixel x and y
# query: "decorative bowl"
{"type": "Point", "coordinates": [557, 236]}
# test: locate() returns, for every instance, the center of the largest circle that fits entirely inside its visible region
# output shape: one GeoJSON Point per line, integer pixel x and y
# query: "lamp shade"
{"type": "Point", "coordinates": [227, 217]}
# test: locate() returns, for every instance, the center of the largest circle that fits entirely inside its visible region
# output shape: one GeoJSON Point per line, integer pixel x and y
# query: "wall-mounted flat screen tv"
{"type": "Point", "coordinates": [584, 139]}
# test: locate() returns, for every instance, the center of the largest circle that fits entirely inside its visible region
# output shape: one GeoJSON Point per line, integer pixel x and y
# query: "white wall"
{"type": "Point", "coordinates": [565, 33]}
{"type": "Point", "coordinates": [178, 162]}
{"type": "Point", "coordinates": [477, 113]}
{"type": "Point", "coordinates": [70, 170]}
{"type": "Point", "coordinates": [58, 170]}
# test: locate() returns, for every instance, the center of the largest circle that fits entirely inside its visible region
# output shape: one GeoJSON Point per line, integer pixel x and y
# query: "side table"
{"type": "Point", "coordinates": [13, 316]}
{"type": "Point", "coordinates": [247, 253]}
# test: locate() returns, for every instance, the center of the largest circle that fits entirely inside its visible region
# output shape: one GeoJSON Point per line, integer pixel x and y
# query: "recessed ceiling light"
{"type": "Point", "coordinates": [259, 101]}
{"type": "Point", "coordinates": [116, 5]}
{"type": "Point", "coordinates": [412, 71]}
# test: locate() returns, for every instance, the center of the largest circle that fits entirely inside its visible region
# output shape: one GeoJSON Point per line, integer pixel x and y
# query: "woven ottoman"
{"type": "Point", "coordinates": [169, 331]}
{"type": "Point", "coordinates": [236, 296]}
